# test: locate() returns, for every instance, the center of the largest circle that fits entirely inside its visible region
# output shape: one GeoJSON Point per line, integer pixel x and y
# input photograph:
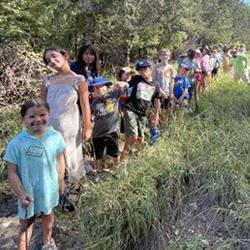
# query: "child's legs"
{"type": "Point", "coordinates": [98, 164]}
{"type": "Point", "coordinates": [138, 144]}
{"type": "Point", "coordinates": [128, 145]}
{"type": "Point", "coordinates": [198, 86]}
{"type": "Point", "coordinates": [130, 130]}
{"type": "Point", "coordinates": [47, 225]}
{"type": "Point", "coordinates": [111, 142]}
{"type": "Point", "coordinates": [165, 105]}
{"type": "Point", "coordinates": [22, 233]}
{"type": "Point", "coordinates": [99, 146]}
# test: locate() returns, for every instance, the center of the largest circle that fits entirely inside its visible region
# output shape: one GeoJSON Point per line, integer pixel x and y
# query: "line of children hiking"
{"type": "Point", "coordinates": [36, 158]}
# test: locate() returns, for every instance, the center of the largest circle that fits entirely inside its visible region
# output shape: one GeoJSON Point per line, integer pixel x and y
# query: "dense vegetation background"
{"type": "Point", "coordinates": [123, 31]}
{"type": "Point", "coordinates": [191, 191]}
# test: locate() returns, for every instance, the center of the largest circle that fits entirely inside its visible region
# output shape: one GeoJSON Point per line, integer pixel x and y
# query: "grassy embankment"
{"type": "Point", "coordinates": [204, 156]}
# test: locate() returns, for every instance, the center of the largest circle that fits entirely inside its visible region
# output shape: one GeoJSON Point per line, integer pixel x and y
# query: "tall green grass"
{"type": "Point", "coordinates": [204, 156]}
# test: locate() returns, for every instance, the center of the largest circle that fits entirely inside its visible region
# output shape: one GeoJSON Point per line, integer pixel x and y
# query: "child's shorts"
{"type": "Point", "coordinates": [215, 71]}
{"type": "Point", "coordinates": [110, 141]}
{"type": "Point", "coordinates": [191, 89]}
{"type": "Point", "coordinates": [198, 76]}
{"type": "Point", "coordinates": [165, 103]}
{"type": "Point", "coordinates": [134, 125]}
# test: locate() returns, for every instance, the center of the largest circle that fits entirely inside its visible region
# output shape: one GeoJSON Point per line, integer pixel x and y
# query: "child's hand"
{"type": "Point", "coordinates": [86, 134]}
{"type": "Point", "coordinates": [179, 101]}
{"type": "Point", "coordinates": [119, 85]}
{"type": "Point", "coordinates": [25, 202]}
{"type": "Point", "coordinates": [61, 186]}
{"type": "Point", "coordinates": [154, 123]}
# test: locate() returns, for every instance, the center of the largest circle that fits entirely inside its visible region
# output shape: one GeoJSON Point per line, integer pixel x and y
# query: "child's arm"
{"type": "Point", "coordinates": [16, 185]}
{"type": "Point", "coordinates": [155, 117]}
{"type": "Point", "coordinates": [154, 73]}
{"type": "Point", "coordinates": [123, 85]}
{"type": "Point", "coordinates": [84, 101]}
{"type": "Point", "coordinates": [246, 59]}
{"type": "Point", "coordinates": [120, 110]}
{"type": "Point", "coordinates": [182, 96]}
{"type": "Point", "coordinates": [163, 94]}
{"type": "Point", "coordinates": [61, 171]}
{"type": "Point", "coordinates": [171, 94]}
{"type": "Point", "coordinates": [43, 91]}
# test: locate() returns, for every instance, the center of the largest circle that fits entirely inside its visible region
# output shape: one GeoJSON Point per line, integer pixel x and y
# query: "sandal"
{"type": "Point", "coordinates": [68, 204]}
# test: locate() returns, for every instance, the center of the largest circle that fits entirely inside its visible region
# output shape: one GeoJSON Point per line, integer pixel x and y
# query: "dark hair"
{"type": "Point", "coordinates": [225, 49]}
{"type": "Point", "coordinates": [53, 48]}
{"type": "Point", "coordinates": [80, 64]}
{"type": "Point", "coordinates": [191, 53]}
{"type": "Point", "coordinates": [38, 103]}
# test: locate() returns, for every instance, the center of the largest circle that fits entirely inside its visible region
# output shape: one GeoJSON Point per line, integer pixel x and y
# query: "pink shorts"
{"type": "Point", "coordinates": [198, 76]}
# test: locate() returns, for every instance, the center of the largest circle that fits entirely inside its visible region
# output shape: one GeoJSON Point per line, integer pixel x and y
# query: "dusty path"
{"type": "Point", "coordinates": [9, 225]}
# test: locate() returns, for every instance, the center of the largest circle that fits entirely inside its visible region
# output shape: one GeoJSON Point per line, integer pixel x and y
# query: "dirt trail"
{"type": "Point", "coordinates": [9, 226]}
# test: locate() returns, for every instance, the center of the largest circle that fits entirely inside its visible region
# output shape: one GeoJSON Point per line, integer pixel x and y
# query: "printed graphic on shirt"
{"type": "Point", "coordinates": [144, 91]}
{"type": "Point", "coordinates": [101, 109]}
{"type": "Point", "coordinates": [167, 75]}
{"type": "Point", "coordinates": [104, 108]}
{"type": "Point", "coordinates": [35, 151]}
{"type": "Point", "coordinates": [110, 106]}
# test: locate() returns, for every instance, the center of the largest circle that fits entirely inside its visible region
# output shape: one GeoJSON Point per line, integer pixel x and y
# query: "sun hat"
{"type": "Point", "coordinates": [142, 63]}
{"type": "Point", "coordinates": [99, 81]}
{"type": "Point", "coordinates": [184, 66]}
{"type": "Point", "coordinates": [183, 54]}
{"type": "Point", "coordinates": [125, 69]}
{"type": "Point", "coordinates": [197, 51]}
{"type": "Point", "coordinates": [205, 47]}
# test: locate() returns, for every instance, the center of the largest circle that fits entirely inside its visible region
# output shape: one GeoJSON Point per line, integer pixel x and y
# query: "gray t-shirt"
{"type": "Point", "coordinates": [105, 111]}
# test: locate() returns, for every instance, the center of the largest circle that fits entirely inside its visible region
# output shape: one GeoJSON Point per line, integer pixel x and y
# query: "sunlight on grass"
{"type": "Point", "coordinates": [204, 156]}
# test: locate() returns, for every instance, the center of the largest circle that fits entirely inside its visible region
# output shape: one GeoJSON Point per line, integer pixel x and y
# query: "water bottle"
{"type": "Point", "coordinates": [153, 136]}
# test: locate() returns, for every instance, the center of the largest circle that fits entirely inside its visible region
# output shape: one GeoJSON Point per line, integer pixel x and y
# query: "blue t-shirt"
{"type": "Point", "coordinates": [36, 166]}
{"type": "Point", "coordinates": [181, 83]}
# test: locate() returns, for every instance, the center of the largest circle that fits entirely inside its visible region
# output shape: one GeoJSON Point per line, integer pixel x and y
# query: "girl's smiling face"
{"type": "Point", "coordinates": [35, 119]}
{"type": "Point", "coordinates": [55, 60]}
{"type": "Point", "coordinates": [88, 57]}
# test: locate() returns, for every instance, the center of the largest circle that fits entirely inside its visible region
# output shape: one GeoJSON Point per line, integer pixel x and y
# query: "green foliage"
{"type": "Point", "coordinates": [123, 31]}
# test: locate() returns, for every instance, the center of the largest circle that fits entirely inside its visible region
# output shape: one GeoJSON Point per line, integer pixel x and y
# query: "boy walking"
{"type": "Point", "coordinates": [164, 74]}
{"type": "Point", "coordinates": [145, 90]}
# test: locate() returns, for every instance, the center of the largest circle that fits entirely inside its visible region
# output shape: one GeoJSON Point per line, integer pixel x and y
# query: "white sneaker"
{"type": "Point", "coordinates": [187, 110]}
{"type": "Point", "coordinates": [50, 245]}
{"type": "Point", "coordinates": [190, 111]}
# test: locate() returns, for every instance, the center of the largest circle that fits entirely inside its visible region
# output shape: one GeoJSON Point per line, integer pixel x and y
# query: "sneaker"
{"type": "Point", "coordinates": [187, 110]}
{"type": "Point", "coordinates": [50, 245]}
{"type": "Point", "coordinates": [190, 111]}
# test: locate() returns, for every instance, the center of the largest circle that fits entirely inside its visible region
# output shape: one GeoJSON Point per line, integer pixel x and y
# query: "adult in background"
{"type": "Point", "coordinates": [240, 62]}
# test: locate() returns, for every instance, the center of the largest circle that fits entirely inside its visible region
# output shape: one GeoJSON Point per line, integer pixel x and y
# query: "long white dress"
{"type": "Point", "coordinates": [65, 118]}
